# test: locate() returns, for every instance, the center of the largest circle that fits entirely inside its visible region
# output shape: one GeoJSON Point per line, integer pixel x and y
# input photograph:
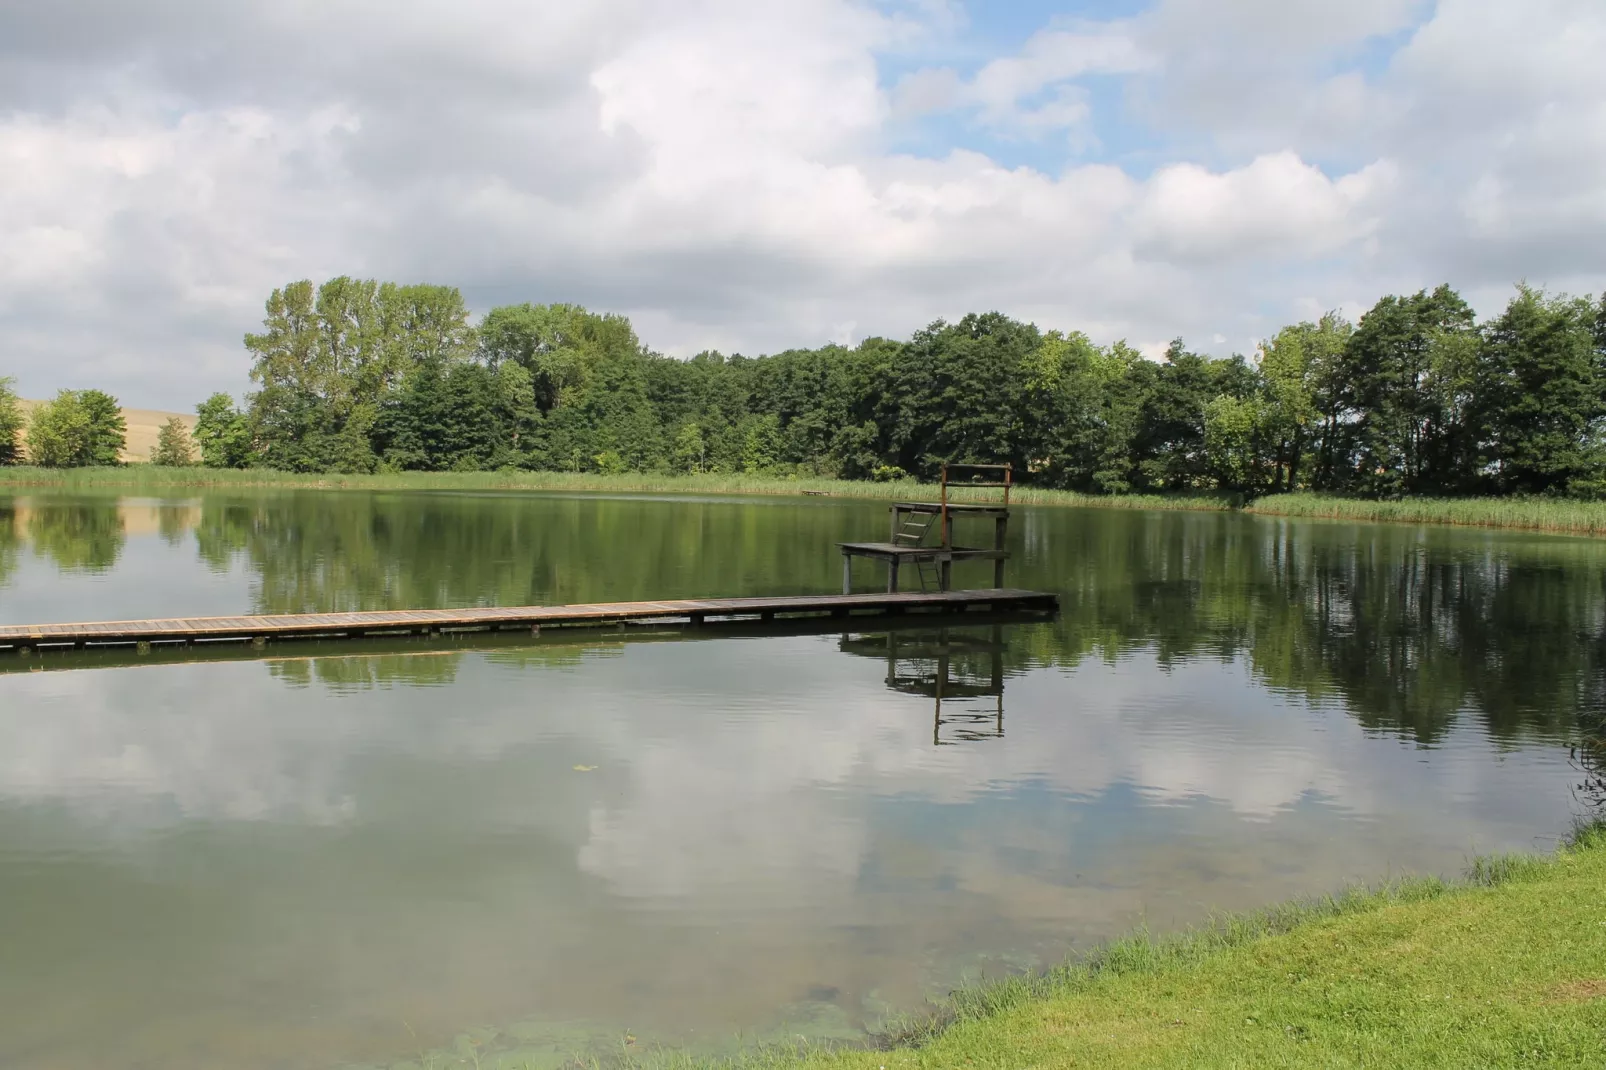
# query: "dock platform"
{"type": "Point", "coordinates": [258, 630]}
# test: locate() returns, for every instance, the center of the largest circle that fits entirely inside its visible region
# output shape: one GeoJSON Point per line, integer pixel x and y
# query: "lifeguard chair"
{"type": "Point", "coordinates": [912, 524]}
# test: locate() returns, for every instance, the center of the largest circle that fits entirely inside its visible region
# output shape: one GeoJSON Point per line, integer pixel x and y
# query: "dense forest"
{"type": "Point", "coordinates": [1418, 398]}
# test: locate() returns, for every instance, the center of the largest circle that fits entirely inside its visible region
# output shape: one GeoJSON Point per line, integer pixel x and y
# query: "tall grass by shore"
{"type": "Point", "coordinates": [1555, 515]}
{"type": "Point", "coordinates": [1552, 515]}
{"type": "Point", "coordinates": [152, 479]}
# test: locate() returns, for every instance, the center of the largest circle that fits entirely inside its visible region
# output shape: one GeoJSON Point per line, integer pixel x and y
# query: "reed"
{"type": "Point", "coordinates": [1556, 515]}
{"type": "Point", "coordinates": [152, 479]}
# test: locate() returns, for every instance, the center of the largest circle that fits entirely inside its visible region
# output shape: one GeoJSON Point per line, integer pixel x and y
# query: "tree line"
{"type": "Point", "coordinates": [80, 429]}
{"type": "Point", "coordinates": [1416, 398]}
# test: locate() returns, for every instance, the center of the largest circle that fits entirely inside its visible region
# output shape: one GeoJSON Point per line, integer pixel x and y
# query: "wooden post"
{"type": "Point", "coordinates": [892, 575]}
{"type": "Point", "coordinates": [1000, 534]}
{"type": "Point", "coordinates": [847, 573]}
{"type": "Point", "coordinates": [945, 574]}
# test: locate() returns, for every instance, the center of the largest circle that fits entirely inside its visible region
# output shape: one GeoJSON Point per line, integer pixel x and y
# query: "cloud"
{"type": "Point", "coordinates": [1031, 91]}
{"type": "Point", "coordinates": [730, 174]}
{"type": "Point", "coordinates": [1276, 205]}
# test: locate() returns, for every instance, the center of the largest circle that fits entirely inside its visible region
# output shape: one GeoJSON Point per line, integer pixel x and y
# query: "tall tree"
{"type": "Point", "coordinates": [11, 423]}
{"type": "Point", "coordinates": [58, 432]}
{"type": "Point", "coordinates": [958, 391]}
{"type": "Point", "coordinates": [107, 432]}
{"type": "Point", "coordinates": [1299, 371]}
{"type": "Point", "coordinates": [1407, 394]}
{"type": "Point", "coordinates": [223, 433]}
{"type": "Point", "coordinates": [1082, 407]}
{"type": "Point", "coordinates": [1546, 396]}
{"type": "Point", "coordinates": [173, 448]}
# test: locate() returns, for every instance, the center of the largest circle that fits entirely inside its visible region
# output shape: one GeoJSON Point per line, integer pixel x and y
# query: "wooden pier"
{"type": "Point", "coordinates": [259, 630]}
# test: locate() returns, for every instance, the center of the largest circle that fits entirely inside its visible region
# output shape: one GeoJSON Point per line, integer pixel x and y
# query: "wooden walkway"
{"type": "Point", "coordinates": [23, 638]}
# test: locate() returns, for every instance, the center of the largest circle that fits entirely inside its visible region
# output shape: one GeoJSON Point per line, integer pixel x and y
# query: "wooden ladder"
{"type": "Point", "coordinates": [913, 533]}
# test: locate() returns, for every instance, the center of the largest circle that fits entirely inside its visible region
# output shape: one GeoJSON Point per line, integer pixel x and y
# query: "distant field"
{"type": "Point", "coordinates": [143, 426]}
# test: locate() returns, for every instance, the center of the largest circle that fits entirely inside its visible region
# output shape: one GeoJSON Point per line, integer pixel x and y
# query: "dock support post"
{"type": "Point", "coordinates": [892, 576]}
{"type": "Point", "coordinates": [847, 573]}
{"type": "Point", "coordinates": [1000, 531]}
{"type": "Point", "coordinates": [945, 574]}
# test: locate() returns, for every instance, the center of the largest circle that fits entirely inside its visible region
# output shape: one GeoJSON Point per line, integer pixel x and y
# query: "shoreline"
{"type": "Point", "coordinates": [1539, 515]}
{"type": "Point", "coordinates": [1506, 965]}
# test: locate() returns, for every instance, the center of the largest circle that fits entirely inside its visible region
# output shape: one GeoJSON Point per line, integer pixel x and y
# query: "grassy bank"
{"type": "Point", "coordinates": [152, 480]}
{"type": "Point", "coordinates": [1559, 516]}
{"type": "Point", "coordinates": [1505, 969]}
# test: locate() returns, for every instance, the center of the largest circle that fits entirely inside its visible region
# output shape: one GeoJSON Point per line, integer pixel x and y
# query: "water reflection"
{"type": "Point", "coordinates": [1408, 629]}
{"type": "Point", "coordinates": [952, 667]}
{"type": "Point", "coordinates": [752, 832]}
{"type": "Point", "coordinates": [76, 537]}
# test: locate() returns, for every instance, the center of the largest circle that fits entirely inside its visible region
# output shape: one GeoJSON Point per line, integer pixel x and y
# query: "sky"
{"type": "Point", "coordinates": [754, 175]}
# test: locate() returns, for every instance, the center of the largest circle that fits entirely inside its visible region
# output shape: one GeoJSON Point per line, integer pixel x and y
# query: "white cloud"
{"type": "Point", "coordinates": [721, 171]}
{"type": "Point", "coordinates": [1031, 91]}
{"type": "Point", "coordinates": [1276, 205]}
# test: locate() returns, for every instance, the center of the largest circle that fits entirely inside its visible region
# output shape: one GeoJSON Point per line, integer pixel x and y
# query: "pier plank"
{"type": "Point", "coordinates": [242, 628]}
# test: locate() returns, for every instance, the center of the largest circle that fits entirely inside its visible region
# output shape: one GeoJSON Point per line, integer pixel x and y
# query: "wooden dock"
{"type": "Point", "coordinates": [258, 630]}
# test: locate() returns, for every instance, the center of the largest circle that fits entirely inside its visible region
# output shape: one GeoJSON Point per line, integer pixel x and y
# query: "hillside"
{"type": "Point", "coordinates": [143, 427]}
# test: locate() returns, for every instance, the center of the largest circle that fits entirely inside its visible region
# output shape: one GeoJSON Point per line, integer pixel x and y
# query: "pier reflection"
{"type": "Point", "coordinates": [960, 671]}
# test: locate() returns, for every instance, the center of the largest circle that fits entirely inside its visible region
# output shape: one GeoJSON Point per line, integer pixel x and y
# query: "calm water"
{"type": "Point", "coordinates": [531, 850]}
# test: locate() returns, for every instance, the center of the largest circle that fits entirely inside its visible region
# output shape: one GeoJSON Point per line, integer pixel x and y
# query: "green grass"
{"type": "Point", "coordinates": [1507, 968]}
{"type": "Point", "coordinates": [150, 479]}
{"type": "Point", "coordinates": [1560, 516]}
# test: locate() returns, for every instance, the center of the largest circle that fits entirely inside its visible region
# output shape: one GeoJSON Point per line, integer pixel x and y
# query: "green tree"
{"type": "Point", "coordinates": [761, 442]}
{"type": "Point", "coordinates": [173, 448]}
{"type": "Point", "coordinates": [1546, 396]}
{"type": "Point", "coordinates": [11, 423]}
{"type": "Point", "coordinates": [957, 393]}
{"type": "Point", "coordinates": [58, 433]}
{"type": "Point", "coordinates": [1169, 448]}
{"type": "Point", "coordinates": [108, 431]}
{"type": "Point", "coordinates": [691, 451]}
{"type": "Point", "coordinates": [1406, 393]}
{"type": "Point", "coordinates": [223, 433]}
{"type": "Point", "coordinates": [1235, 442]}
{"type": "Point", "coordinates": [329, 359]}
{"type": "Point", "coordinates": [1083, 408]}
{"type": "Point", "coordinates": [1298, 370]}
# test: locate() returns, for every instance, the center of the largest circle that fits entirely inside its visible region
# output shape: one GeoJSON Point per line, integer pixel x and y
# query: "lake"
{"type": "Point", "coordinates": [587, 843]}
